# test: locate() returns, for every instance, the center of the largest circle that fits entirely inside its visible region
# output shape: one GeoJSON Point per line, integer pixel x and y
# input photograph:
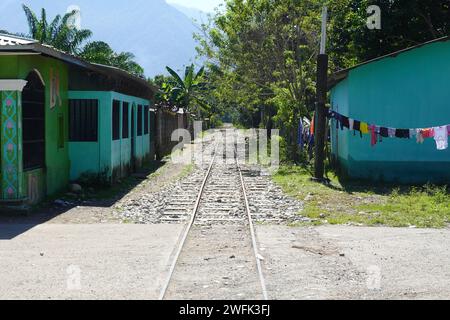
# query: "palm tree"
{"type": "Point", "coordinates": [101, 52]}
{"type": "Point", "coordinates": [125, 61]}
{"type": "Point", "coordinates": [57, 33]}
{"type": "Point", "coordinates": [187, 92]}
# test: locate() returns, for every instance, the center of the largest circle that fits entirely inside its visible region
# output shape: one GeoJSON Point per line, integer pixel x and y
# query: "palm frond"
{"type": "Point", "coordinates": [54, 27]}
{"type": "Point", "coordinates": [43, 26]}
{"type": "Point", "coordinates": [200, 73]}
{"type": "Point", "coordinates": [32, 21]}
{"type": "Point", "coordinates": [177, 78]}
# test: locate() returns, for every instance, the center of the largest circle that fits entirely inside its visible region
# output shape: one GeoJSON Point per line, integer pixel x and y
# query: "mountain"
{"type": "Point", "coordinates": [196, 15]}
{"type": "Point", "coordinates": [155, 32]}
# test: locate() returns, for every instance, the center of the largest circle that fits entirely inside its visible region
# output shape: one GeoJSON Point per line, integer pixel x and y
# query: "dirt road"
{"type": "Point", "coordinates": [356, 263]}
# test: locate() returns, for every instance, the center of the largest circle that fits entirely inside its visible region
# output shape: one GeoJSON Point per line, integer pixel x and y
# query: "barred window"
{"type": "Point", "coordinates": [83, 120]}
{"type": "Point", "coordinates": [139, 121]}
{"type": "Point", "coordinates": [116, 120]}
{"type": "Point", "coordinates": [125, 121]}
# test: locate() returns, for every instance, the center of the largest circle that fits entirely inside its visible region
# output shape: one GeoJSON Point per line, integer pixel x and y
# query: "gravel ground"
{"type": "Point", "coordinates": [268, 203]}
{"type": "Point", "coordinates": [174, 202]}
{"type": "Point", "coordinates": [101, 211]}
{"type": "Point", "coordinates": [355, 262]}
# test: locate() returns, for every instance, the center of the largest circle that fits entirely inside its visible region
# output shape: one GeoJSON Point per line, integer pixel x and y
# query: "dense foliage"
{"type": "Point", "coordinates": [261, 54]}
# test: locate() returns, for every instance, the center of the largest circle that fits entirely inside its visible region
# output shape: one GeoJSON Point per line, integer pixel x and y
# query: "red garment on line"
{"type": "Point", "coordinates": [428, 133]}
{"type": "Point", "coordinates": [373, 140]}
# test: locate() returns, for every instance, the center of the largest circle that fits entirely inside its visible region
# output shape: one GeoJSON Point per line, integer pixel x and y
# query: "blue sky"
{"type": "Point", "coordinates": [204, 5]}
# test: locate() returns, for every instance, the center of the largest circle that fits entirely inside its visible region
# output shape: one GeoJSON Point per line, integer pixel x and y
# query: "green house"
{"type": "Point", "coordinates": [62, 117]}
{"type": "Point", "coordinates": [407, 89]}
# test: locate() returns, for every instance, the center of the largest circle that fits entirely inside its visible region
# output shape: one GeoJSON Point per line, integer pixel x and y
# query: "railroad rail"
{"type": "Point", "coordinates": [220, 185]}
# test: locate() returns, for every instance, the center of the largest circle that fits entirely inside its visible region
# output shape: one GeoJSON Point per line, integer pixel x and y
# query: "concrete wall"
{"type": "Point", "coordinates": [410, 90]}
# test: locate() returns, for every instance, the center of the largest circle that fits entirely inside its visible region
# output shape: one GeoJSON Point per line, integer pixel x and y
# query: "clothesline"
{"type": "Point", "coordinates": [439, 133]}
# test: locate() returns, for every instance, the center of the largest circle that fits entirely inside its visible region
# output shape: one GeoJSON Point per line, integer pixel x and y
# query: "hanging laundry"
{"type": "Point", "coordinates": [441, 137]}
{"type": "Point", "coordinates": [419, 136]}
{"type": "Point", "coordinates": [373, 140]}
{"type": "Point", "coordinates": [342, 122]}
{"type": "Point", "coordinates": [384, 132]}
{"type": "Point", "coordinates": [364, 128]}
{"type": "Point", "coordinates": [352, 123]}
{"type": "Point", "coordinates": [440, 134]}
{"type": "Point", "coordinates": [345, 122]}
{"type": "Point", "coordinates": [428, 133]}
{"type": "Point", "coordinates": [402, 133]}
{"type": "Point", "coordinates": [378, 133]}
{"type": "Point", "coordinates": [357, 127]}
{"type": "Point", "coordinates": [391, 132]}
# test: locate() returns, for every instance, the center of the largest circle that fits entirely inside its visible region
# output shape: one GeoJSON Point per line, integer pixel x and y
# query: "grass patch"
{"type": "Point", "coordinates": [361, 203]}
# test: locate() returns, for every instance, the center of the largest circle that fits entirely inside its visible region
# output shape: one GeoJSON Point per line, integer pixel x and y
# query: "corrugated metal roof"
{"type": "Point", "coordinates": [11, 40]}
{"type": "Point", "coordinates": [342, 74]}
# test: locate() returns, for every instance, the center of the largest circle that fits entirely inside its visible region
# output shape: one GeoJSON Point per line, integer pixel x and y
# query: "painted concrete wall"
{"type": "Point", "coordinates": [106, 155]}
{"type": "Point", "coordinates": [408, 91]}
{"type": "Point", "coordinates": [55, 176]}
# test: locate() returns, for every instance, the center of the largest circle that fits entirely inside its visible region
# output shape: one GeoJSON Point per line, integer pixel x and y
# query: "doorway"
{"type": "Point", "coordinates": [33, 123]}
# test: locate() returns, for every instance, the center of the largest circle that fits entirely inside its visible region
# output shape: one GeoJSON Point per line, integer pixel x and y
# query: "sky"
{"type": "Point", "coordinates": [204, 5]}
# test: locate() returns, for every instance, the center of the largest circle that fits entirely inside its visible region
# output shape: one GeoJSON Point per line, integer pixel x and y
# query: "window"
{"type": "Point", "coordinates": [33, 122]}
{"type": "Point", "coordinates": [139, 121]}
{"type": "Point", "coordinates": [83, 120]}
{"type": "Point", "coordinates": [146, 115]}
{"type": "Point", "coordinates": [125, 119]}
{"type": "Point", "coordinates": [116, 120]}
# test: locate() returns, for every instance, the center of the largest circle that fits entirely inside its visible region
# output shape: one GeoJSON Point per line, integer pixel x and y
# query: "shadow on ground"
{"type": "Point", "coordinates": [15, 224]}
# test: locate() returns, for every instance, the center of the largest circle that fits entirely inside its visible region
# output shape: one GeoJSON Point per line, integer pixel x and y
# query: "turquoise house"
{"type": "Point", "coordinates": [109, 120]}
{"type": "Point", "coordinates": [407, 89]}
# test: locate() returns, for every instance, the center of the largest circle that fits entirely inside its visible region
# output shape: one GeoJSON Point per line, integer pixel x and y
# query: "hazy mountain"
{"type": "Point", "coordinates": [196, 15]}
{"type": "Point", "coordinates": [157, 33]}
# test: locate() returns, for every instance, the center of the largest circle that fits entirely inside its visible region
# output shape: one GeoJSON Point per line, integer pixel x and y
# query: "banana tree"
{"type": "Point", "coordinates": [187, 91]}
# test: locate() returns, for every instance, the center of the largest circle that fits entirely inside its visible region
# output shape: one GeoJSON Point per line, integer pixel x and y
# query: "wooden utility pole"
{"type": "Point", "coordinates": [320, 120]}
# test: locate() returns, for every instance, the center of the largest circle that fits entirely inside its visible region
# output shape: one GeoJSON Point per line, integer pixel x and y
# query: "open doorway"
{"type": "Point", "coordinates": [33, 123]}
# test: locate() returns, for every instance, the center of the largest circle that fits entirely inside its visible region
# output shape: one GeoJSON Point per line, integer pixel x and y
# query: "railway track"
{"type": "Point", "coordinates": [219, 240]}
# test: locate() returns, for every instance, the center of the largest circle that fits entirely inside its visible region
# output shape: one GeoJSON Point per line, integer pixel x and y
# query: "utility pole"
{"type": "Point", "coordinates": [322, 86]}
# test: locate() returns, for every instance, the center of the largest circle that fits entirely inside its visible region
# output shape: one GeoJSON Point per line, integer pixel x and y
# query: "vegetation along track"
{"type": "Point", "coordinates": [219, 240]}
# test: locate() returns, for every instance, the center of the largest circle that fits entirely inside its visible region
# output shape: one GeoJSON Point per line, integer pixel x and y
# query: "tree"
{"type": "Point", "coordinates": [186, 92]}
{"type": "Point", "coordinates": [58, 33]}
{"type": "Point", "coordinates": [100, 52]}
{"type": "Point", "coordinates": [405, 23]}
{"type": "Point", "coordinates": [265, 52]}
